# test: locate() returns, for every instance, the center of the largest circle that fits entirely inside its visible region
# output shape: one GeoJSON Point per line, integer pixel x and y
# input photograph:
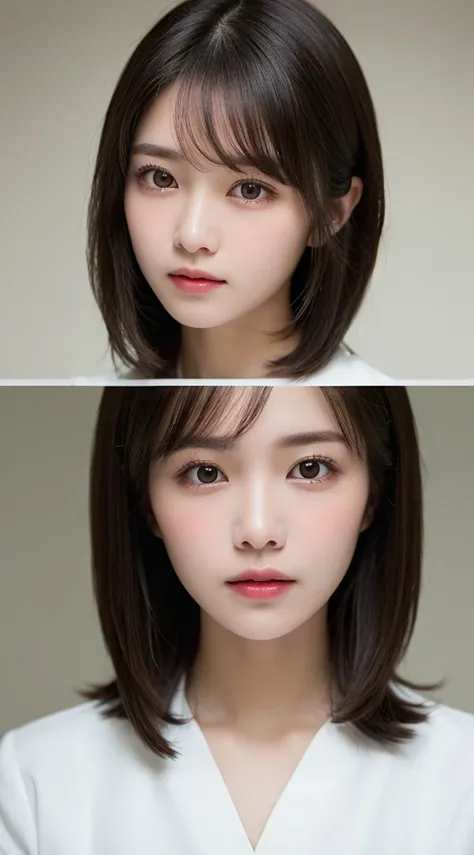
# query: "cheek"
{"type": "Point", "coordinates": [333, 528]}
{"type": "Point", "coordinates": [273, 246]}
{"type": "Point", "coordinates": [327, 541]}
{"type": "Point", "coordinates": [188, 531]}
{"type": "Point", "coordinates": [191, 537]}
{"type": "Point", "coordinates": [141, 221]}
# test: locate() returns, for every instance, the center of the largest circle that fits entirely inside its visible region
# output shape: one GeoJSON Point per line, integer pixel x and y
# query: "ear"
{"type": "Point", "coordinates": [153, 525]}
{"type": "Point", "coordinates": [369, 514]}
{"type": "Point", "coordinates": [343, 208]}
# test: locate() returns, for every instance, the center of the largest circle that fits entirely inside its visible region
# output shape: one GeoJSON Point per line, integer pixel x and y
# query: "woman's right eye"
{"type": "Point", "coordinates": [206, 474]}
{"type": "Point", "coordinates": [160, 178]}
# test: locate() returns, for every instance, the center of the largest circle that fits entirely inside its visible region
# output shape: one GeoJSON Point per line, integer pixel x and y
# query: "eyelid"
{"type": "Point", "coordinates": [254, 179]}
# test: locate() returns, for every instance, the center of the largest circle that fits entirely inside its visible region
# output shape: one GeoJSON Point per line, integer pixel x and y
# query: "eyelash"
{"type": "Point", "coordinates": [140, 174]}
{"type": "Point", "coordinates": [182, 474]}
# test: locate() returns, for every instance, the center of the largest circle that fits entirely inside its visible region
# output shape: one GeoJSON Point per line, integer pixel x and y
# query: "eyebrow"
{"type": "Point", "coordinates": [165, 153]}
{"type": "Point", "coordinates": [217, 443]}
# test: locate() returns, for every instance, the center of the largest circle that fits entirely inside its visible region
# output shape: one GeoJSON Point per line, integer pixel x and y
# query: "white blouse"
{"type": "Point", "coordinates": [344, 369]}
{"type": "Point", "coordinates": [74, 783]}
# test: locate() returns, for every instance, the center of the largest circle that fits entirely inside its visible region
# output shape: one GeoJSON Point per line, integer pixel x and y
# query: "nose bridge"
{"type": "Point", "coordinates": [259, 513]}
{"type": "Point", "coordinates": [197, 219]}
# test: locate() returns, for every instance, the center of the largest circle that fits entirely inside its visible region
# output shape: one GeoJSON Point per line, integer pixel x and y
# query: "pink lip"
{"type": "Point", "coordinates": [195, 286]}
{"type": "Point", "coordinates": [266, 574]}
{"type": "Point", "coordinates": [260, 590]}
{"type": "Point", "coordinates": [195, 274]}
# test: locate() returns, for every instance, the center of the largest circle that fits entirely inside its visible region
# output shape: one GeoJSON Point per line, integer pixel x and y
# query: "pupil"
{"type": "Point", "coordinates": [207, 474]}
{"type": "Point", "coordinates": [162, 176]}
{"type": "Point", "coordinates": [253, 187]}
{"type": "Point", "coordinates": [309, 467]}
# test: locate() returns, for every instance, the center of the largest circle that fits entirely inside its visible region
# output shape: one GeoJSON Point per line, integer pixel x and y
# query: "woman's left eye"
{"type": "Point", "coordinates": [252, 190]}
{"type": "Point", "coordinates": [312, 470]}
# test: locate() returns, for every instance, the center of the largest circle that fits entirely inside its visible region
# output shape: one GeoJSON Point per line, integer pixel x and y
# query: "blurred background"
{"type": "Point", "coordinates": [59, 63]}
{"type": "Point", "coordinates": [50, 642]}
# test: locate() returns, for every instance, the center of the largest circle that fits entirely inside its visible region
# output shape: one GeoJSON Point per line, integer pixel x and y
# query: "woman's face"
{"type": "Point", "coordinates": [246, 229]}
{"type": "Point", "coordinates": [289, 496]}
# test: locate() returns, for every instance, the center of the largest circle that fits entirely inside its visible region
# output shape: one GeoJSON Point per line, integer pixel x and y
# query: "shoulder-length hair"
{"type": "Point", "coordinates": [151, 624]}
{"type": "Point", "coordinates": [297, 105]}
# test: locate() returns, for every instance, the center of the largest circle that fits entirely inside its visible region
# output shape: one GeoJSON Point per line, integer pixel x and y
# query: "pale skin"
{"type": "Point", "coordinates": [247, 229]}
{"type": "Point", "coordinates": [260, 687]}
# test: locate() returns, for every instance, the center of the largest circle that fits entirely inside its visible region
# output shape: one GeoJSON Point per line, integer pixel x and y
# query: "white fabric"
{"type": "Point", "coordinates": [345, 369]}
{"type": "Point", "coordinates": [74, 783]}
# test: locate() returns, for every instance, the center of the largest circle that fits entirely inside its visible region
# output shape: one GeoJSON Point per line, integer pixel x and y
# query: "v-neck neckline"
{"type": "Point", "coordinates": [209, 805]}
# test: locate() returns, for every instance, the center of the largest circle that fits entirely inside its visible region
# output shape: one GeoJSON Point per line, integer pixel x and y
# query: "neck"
{"type": "Point", "coordinates": [241, 348]}
{"type": "Point", "coordinates": [261, 686]}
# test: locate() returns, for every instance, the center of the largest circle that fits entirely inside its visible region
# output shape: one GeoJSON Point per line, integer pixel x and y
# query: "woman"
{"type": "Point", "coordinates": [238, 199]}
{"type": "Point", "coordinates": [260, 713]}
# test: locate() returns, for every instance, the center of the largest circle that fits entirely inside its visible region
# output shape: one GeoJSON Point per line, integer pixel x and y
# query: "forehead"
{"type": "Point", "coordinates": [159, 118]}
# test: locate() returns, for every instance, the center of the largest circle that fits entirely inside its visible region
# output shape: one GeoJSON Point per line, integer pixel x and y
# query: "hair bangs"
{"type": "Point", "coordinates": [216, 121]}
{"type": "Point", "coordinates": [199, 411]}
{"type": "Point", "coordinates": [193, 412]}
{"type": "Point", "coordinates": [339, 399]}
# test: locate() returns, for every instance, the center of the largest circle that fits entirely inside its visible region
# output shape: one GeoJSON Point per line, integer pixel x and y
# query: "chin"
{"type": "Point", "coordinates": [197, 317]}
{"type": "Point", "coordinates": [263, 633]}
{"type": "Point", "coordinates": [198, 324]}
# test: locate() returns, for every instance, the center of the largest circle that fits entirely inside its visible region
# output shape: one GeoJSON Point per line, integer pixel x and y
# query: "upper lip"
{"type": "Point", "coordinates": [195, 274]}
{"type": "Point", "coordinates": [265, 575]}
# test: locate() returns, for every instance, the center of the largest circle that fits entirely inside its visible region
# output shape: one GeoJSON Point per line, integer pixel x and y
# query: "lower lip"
{"type": "Point", "coordinates": [195, 286]}
{"type": "Point", "coordinates": [260, 590]}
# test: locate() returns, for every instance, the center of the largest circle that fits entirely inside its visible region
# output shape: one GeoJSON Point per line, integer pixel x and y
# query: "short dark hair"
{"type": "Point", "coordinates": [298, 106]}
{"type": "Point", "coordinates": [150, 622]}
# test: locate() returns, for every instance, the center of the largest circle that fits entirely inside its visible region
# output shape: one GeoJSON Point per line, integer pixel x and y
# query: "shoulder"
{"type": "Point", "coordinates": [62, 740]}
{"type": "Point", "coordinates": [436, 765]}
{"type": "Point", "coordinates": [119, 376]}
{"type": "Point", "coordinates": [95, 380]}
{"type": "Point", "coordinates": [446, 738]}
{"type": "Point", "coordinates": [54, 726]}
{"type": "Point", "coordinates": [55, 771]}
{"type": "Point", "coordinates": [452, 729]}
{"type": "Point", "coordinates": [347, 369]}
{"type": "Point", "coordinates": [122, 377]}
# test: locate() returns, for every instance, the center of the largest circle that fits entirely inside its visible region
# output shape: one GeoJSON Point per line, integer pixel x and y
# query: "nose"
{"type": "Point", "coordinates": [258, 525]}
{"type": "Point", "coordinates": [196, 227]}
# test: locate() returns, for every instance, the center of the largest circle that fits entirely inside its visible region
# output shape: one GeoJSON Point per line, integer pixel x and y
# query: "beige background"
{"type": "Point", "coordinates": [50, 641]}
{"type": "Point", "coordinates": [59, 63]}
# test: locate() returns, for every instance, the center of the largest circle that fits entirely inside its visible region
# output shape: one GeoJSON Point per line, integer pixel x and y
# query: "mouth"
{"type": "Point", "coordinates": [202, 275]}
{"type": "Point", "coordinates": [261, 590]}
{"type": "Point", "coordinates": [193, 285]}
{"type": "Point", "coordinates": [265, 575]}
